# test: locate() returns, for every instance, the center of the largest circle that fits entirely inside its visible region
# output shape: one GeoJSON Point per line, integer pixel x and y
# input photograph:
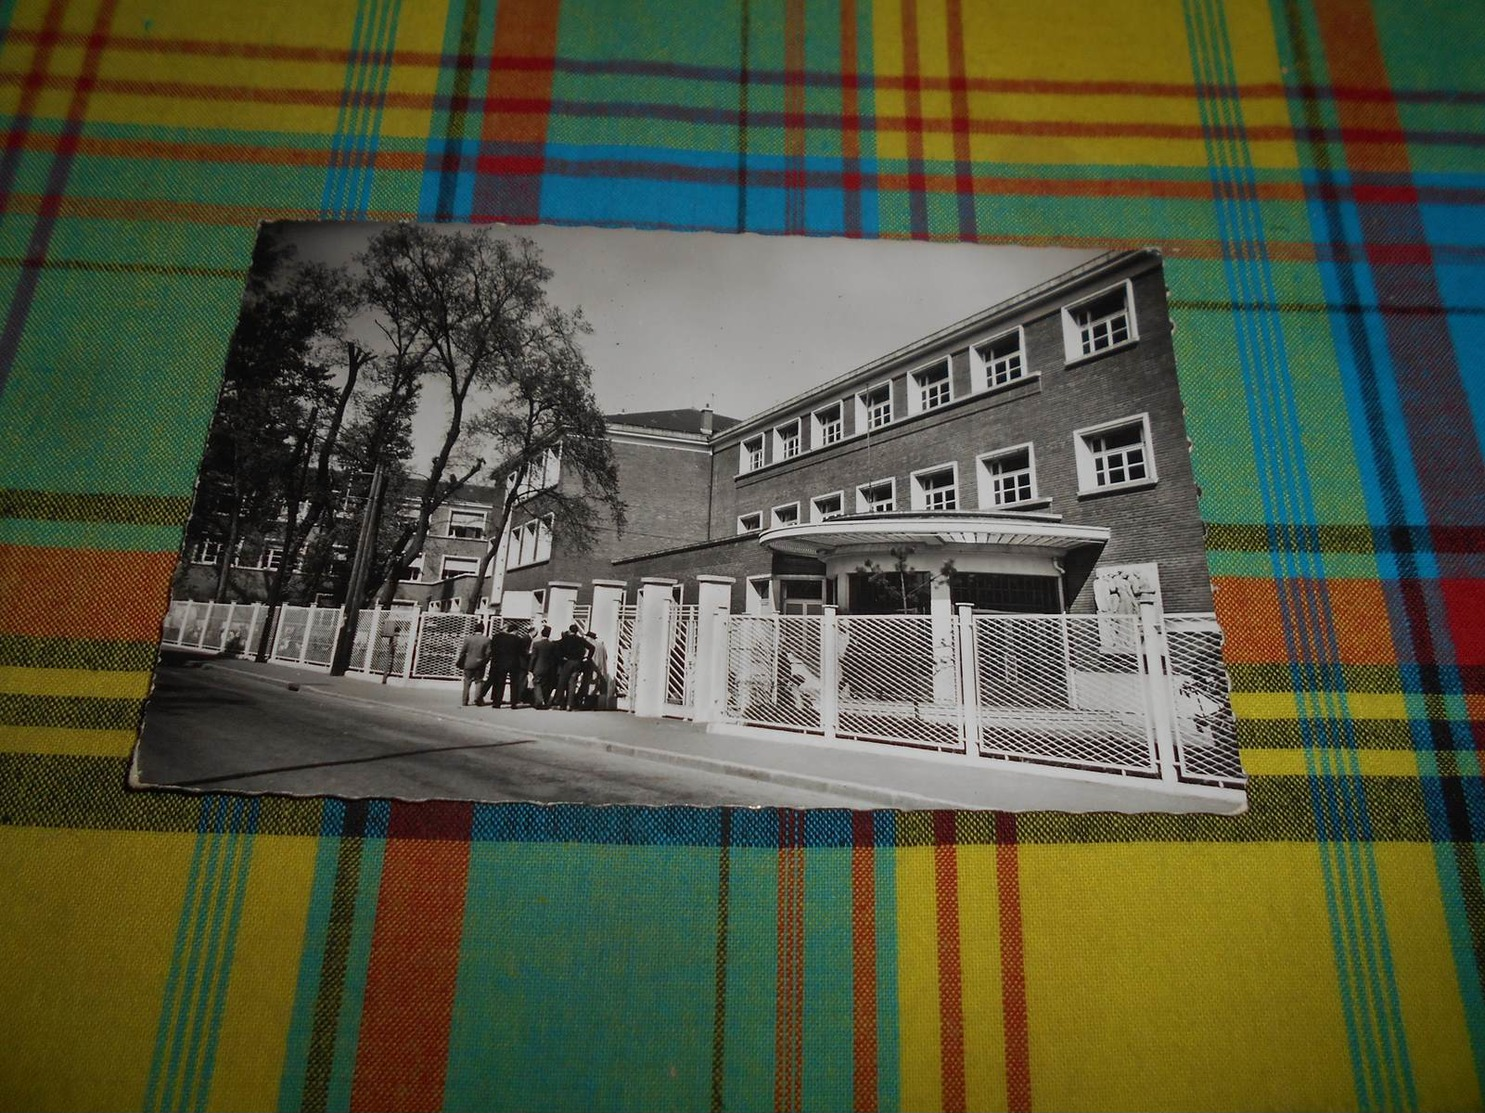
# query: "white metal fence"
{"type": "Point", "coordinates": [1069, 690]}
{"type": "Point", "coordinates": [219, 627]}
{"type": "Point", "coordinates": [682, 629]}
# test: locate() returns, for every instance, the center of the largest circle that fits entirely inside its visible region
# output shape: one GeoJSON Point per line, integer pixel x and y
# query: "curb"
{"type": "Point", "coordinates": [875, 795]}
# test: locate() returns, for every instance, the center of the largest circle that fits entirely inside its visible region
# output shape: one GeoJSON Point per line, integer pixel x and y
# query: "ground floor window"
{"type": "Point", "coordinates": [890, 592]}
{"type": "Point", "coordinates": [999, 591]}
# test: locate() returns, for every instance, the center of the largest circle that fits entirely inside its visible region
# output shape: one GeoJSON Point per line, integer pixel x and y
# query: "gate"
{"type": "Point", "coordinates": [625, 654]}
{"type": "Point", "coordinates": [680, 672]}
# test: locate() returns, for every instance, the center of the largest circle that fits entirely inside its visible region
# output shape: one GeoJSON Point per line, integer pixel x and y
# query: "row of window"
{"type": "Point", "coordinates": [1112, 456]}
{"type": "Point", "coordinates": [1094, 325]}
{"type": "Point", "coordinates": [529, 543]}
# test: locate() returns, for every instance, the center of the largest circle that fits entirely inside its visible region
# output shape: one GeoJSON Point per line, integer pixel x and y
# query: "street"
{"type": "Point", "coordinates": [221, 728]}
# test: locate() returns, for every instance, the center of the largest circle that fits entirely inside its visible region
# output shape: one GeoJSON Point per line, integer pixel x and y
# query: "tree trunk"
{"type": "Point", "coordinates": [224, 562]}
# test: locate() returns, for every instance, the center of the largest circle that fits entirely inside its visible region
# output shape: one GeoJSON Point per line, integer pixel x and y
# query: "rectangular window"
{"type": "Point", "coordinates": [936, 489]}
{"type": "Point", "coordinates": [458, 566]}
{"type": "Point", "coordinates": [413, 571]}
{"type": "Point", "coordinates": [1000, 361]}
{"type": "Point", "coordinates": [830, 425]}
{"type": "Point", "coordinates": [467, 523]}
{"type": "Point", "coordinates": [207, 552]}
{"type": "Point", "coordinates": [786, 515]}
{"type": "Point", "coordinates": [787, 441]}
{"type": "Point", "coordinates": [877, 498]}
{"type": "Point", "coordinates": [271, 557]}
{"type": "Point", "coordinates": [874, 407]}
{"type": "Point", "coordinates": [750, 523]}
{"type": "Point", "coordinates": [752, 454]}
{"type": "Point", "coordinates": [827, 506]}
{"type": "Point", "coordinates": [1097, 324]}
{"type": "Point", "coordinates": [1007, 478]}
{"type": "Point", "coordinates": [1115, 455]}
{"type": "Point", "coordinates": [931, 387]}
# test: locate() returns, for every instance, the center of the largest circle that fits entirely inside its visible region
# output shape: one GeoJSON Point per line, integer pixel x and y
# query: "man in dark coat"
{"type": "Point", "coordinates": [507, 665]}
{"type": "Point", "coordinates": [574, 650]}
{"type": "Point", "coordinates": [544, 661]}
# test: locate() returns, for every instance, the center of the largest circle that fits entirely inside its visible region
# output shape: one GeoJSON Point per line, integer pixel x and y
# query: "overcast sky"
{"type": "Point", "coordinates": [740, 322]}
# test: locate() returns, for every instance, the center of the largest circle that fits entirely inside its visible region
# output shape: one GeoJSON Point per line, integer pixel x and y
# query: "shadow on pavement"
{"type": "Point", "coordinates": [200, 781]}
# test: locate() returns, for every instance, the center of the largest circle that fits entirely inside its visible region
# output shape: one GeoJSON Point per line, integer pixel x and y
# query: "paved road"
{"type": "Point", "coordinates": [216, 731]}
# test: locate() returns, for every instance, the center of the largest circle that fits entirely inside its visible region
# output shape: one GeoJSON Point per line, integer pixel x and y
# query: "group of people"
{"type": "Point", "coordinates": [569, 672]}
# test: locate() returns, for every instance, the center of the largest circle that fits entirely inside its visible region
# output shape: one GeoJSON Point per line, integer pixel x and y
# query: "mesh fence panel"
{"type": "Point", "coordinates": [1064, 689]}
{"type": "Point", "coordinates": [680, 666]}
{"type": "Point", "coordinates": [289, 638]}
{"type": "Point", "coordinates": [1206, 734]}
{"type": "Point", "coordinates": [439, 638]}
{"type": "Point", "coordinates": [214, 625]}
{"type": "Point", "coordinates": [624, 649]}
{"type": "Point", "coordinates": [394, 637]}
{"type": "Point", "coordinates": [773, 671]}
{"type": "Point", "coordinates": [899, 680]}
{"type": "Point", "coordinates": [173, 630]}
{"type": "Point", "coordinates": [324, 625]}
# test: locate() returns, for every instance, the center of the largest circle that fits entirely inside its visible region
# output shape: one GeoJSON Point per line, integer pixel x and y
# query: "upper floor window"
{"type": "Point", "coordinates": [413, 570]}
{"type": "Point", "coordinates": [271, 557]}
{"type": "Point", "coordinates": [1007, 478]}
{"type": "Point", "coordinates": [467, 523]}
{"type": "Point", "coordinates": [750, 523]}
{"type": "Point", "coordinates": [1114, 455]}
{"type": "Point", "coordinates": [752, 454]}
{"type": "Point", "coordinates": [786, 515]}
{"type": "Point", "coordinates": [874, 407]}
{"type": "Point", "coordinates": [936, 488]}
{"type": "Point", "coordinates": [530, 543]}
{"type": "Point", "coordinates": [930, 388]}
{"type": "Point", "coordinates": [1099, 323]}
{"type": "Point", "coordinates": [828, 506]}
{"type": "Point", "coordinates": [787, 441]}
{"type": "Point", "coordinates": [458, 566]}
{"type": "Point", "coordinates": [207, 552]}
{"type": "Point", "coordinates": [877, 498]}
{"type": "Point", "coordinates": [999, 361]}
{"type": "Point", "coordinates": [829, 425]}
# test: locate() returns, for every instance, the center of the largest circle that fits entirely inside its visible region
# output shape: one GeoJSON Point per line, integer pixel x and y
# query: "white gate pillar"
{"type": "Point", "coordinates": [561, 598]}
{"type": "Point", "coordinates": [1155, 674]}
{"type": "Point", "coordinates": [945, 669]}
{"type": "Point", "coordinates": [652, 640]}
{"type": "Point", "coordinates": [309, 628]}
{"type": "Point", "coordinates": [608, 597]}
{"type": "Point", "coordinates": [829, 705]}
{"type": "Point", "coordinates": [966, 651]}
{"type": "Point", "coordinates": [710, 689]}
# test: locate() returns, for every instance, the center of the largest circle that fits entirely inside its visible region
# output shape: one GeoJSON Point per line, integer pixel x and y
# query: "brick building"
{"type": "Point", "coordinates": [996, 462]}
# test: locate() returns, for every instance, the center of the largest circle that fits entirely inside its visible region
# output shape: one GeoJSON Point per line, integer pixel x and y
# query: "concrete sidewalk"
{"type": "Point", "coordinates": [880, 776]}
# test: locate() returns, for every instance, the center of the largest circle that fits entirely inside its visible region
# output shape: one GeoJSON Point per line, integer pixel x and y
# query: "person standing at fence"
{"type": "Point", "coordinates": [602, 685]}
{"type": "Point", "coordinates": [473, 658]}
{"type": "Point", "coordinates": [574, 651]}
{"type": "Point", "coordinates": [544, 661]}
{"type": "Point", "coordinates": [521, 687]}
{"type": "Point", "coordinates": [507, 666]}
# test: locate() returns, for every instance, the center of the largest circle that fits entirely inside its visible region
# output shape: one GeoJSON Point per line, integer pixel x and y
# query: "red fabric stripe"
{"type": "Point", "coordinates": [950, 982]}
{"type": "Point", "coordinates": [788, 1085]}
{"type": "Point", "coordinates": [131, 587]}
{"type": "Point", "coordinates": [864, 962]}
{"type": "Point", "coordinates": [1012, 966]}
{"type": "Point", "coordinates": [517, 111]}
{"type": "Point", "coordinates": [404, 1044]}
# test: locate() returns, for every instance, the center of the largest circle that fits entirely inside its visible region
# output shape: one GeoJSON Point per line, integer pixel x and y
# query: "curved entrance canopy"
{"type": "Point", "coordinates": [1004, 532]}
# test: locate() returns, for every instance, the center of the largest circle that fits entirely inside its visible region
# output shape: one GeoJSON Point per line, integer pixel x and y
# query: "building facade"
{"type": "Point", "coordinates": [1010, 461]}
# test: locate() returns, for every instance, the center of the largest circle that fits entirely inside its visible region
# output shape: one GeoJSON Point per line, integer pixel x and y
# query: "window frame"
{"type": "Point", "coordinates": [773, 515]}
{"type": "Point", "coordinates": [818, 427]}
{"type": "Point", "coordinates": [1086, 461]}
{"type": "Point", "coordinates": [917, 404]}
{"type": "Point", "coordinates": [781, 440]}
{"type": "Point", "coordinates": [986, 478]}
{"type": "Point", "coordinates": [449, 526]}
{"type": "Point", "coordinates": [980, 378]}
{"type": "Point", "coordinates": [864, 408]}
{"type": "Point", "coordinates": [839, 496]}
{"type": "Point", "coordinates": [1072, 332]}
{"type": "Point", "coordinates": [744, 529]}
{"type": "Point", "coordinates": [263, 558]}
{"type": "Point", "coordinates": [862, 507]}
{"type": "Point", "coordinates": [918, 497]}
{"type": "Point", "coordinates": [541, 543]}
{"type": "Point", "coordinates": [746, 455]}
{"type": "Point", "coordinates": [443, 565]}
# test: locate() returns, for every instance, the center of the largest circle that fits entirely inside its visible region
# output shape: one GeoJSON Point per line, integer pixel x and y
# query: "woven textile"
{"type": "Point", "coordinates": [1314, 175]}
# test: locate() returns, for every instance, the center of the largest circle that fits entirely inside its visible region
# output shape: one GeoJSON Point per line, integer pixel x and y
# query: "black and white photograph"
{"type": "Point", "coordinates": [609, 516]}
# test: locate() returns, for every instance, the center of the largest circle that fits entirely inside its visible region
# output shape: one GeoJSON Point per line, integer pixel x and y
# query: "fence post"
{"type": "Point", "coordinates": [371, 636]}
{"type": "Point", "coordinates": [185, 622]}
{"type": "Point", "coordinates": [277, 616]}
{"type": "Point", "coordinates": [710, 663]}
{"type": "Point", "coordinates": [966, 652]}
{"type": "Point", "coordinates": [227, 626]}
{"type": "Point", "coordinates": [1155, 669]}
{"type": "Point", "coordinates": [652, 638]}
{"type": "Point", "coordinates": [561, 598]}
{"type": "Point", "coordinates": [309, 628]}
{"type": "Point", "coordinates": [414, 635]}
{"type": "Point", "coordinates": [829, 706]}
{"type": "Point", "coordinates": [603, 620]}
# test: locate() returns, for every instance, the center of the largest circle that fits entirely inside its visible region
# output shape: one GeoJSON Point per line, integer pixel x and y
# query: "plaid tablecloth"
{"type": "Point", "coordinates": [1315, 177]}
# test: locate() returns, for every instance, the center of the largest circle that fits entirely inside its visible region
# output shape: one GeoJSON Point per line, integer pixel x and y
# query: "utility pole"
{"type": "Point", "coordinates": [360, 570]}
